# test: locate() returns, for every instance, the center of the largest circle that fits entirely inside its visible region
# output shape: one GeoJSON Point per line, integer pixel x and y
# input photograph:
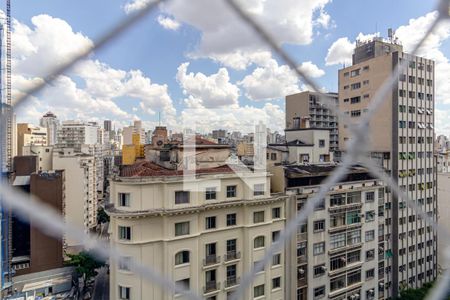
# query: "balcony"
{"type": "Point", "coordinates": [231, 281]}
{"type": "Point", "coordinates": [302, 259]}
{"type": "Point", "coordinates": [232, 255]}
{"type": "Point", "coordinates": [211, 286]}
{"type": "Point", "coordinates": [211, 260]}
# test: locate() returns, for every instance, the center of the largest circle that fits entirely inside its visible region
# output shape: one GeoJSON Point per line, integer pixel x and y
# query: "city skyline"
{"type": "Point", "coordinates": [187, 77]}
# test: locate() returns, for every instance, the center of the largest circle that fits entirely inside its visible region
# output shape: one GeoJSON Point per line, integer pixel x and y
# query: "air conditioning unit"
{"type": "Point", "coordinates": [324, 268]}
{"type": "Point", "coordinates": [301, 271]}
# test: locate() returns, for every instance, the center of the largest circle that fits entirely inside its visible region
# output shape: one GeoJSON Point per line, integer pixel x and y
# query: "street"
{"type": "Point", "coordinates": [101, 285]}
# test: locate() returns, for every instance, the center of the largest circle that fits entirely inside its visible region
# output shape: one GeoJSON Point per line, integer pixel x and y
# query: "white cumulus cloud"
{"type": "Point", "coordinates": [270, 81]}
{"type": "Point", "coordinates": [311, 69]}
{"type": "Point", "coordinates": [211, 91]}
{"type": "Point", "coordinates": [168, 23]}
{"type": "Point", "coordinates": [51, 41]}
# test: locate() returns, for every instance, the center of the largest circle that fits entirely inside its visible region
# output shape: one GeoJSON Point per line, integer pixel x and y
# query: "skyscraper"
{"type": "Point", "coordinates": [50, 121]}
{"type": "Point", "coordinates": [401, 134]}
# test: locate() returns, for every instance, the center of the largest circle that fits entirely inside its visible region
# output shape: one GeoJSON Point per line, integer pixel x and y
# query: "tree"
{"type": "Point", "coordinates": [85, 264]}
{"type": "Point", "coordinates": [416, 294]}
{"type": "Point", "coordinates": [102, 216]}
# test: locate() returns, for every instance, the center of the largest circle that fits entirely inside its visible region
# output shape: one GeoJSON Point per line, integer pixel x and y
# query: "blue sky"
{"type": "Point", "coordinates": [156, 53]}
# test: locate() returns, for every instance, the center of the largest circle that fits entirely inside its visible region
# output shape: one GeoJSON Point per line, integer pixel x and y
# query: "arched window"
{"type": "Point", "coordinates": [182, 257]}
{"type": "Point", "coordinates": [258, 242]}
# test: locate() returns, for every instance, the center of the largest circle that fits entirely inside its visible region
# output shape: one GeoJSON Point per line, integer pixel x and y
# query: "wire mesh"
{"type": "Point", "coordinates": [54, 224]}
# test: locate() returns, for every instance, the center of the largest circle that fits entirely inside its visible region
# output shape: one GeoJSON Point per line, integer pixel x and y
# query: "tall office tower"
{"type": "Point", "coordinates": [306, 104]}
{"type": "Point", "coordinates": [28, 134]}
{"type": "Point", "coordinates": [51, 122]}
{"type": "Point", "coordinates": [206, 239]}
{"type": "Point", "coordinates": [401, 140]}
{"type": "Point", "coordinates": [339, 249]}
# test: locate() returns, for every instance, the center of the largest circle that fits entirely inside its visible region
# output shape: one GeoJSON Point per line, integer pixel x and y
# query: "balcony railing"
{"type": "Point", "coordinates": [232, 255]}
{"type": "Point", "coordinates": [211, 286]}
{"type": "Point", "coordinates": [211, 260]}
{"type": "Point", "coordinates": [232, 281]}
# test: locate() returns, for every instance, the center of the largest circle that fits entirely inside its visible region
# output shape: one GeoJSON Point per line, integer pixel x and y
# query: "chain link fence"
{"type": "Point", "coordinates": [54, 224]}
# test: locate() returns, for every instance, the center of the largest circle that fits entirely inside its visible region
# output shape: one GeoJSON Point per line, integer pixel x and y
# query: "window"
{"type": "Point", "coordinates": [258, 216]}
{"type": "Point", "coordinates": [319, 270]}
{"type": "Point", "coordinates": [275, 236]}
{"type": "Point", "coordinates": [276, 283]}
{"type": "Point", "coordinates": [354, 100]}
{"type": "Point", "coordinates": [370, 196]}
{"type": "Point", "coordinates": [181, 228]}
{"type": "Point", "coordinates": [319, 225]}
{"type": "Point", "coordinates": [370, 235]}
{"type": "Point", "coordinates": [124, 199]}
{"type": "Point", "coordinates": [258, 242]}
{"type": "Point", "coordinates": [210, 222]}
{"type": "Point", "coordinates": [273, 156]}
{"type": "Point", "coordinates": [124, 263]}
{"type": "Point", "coordinates": [258, 291]}
{"type": "Point", "coordinates": [276, 212]}
{"type": "Point", "coordinates": [370, 254]}
{"type": "Point", "coordinates": [370, 216]}
{"type": "Point", "coordinates": [365, 82]}
{"type": "Point", "coordinates": [124, 293]}
{"type": "Point", "coordinates": [181, 197]}
{"type": "Point", "coordinates": [231, 219]}
{"type": "Point", "coordinates": [276, 260]}
{"type": "Point", "coordinates": [338, 262]}
{"type": "Point", "coordinates": [337, 283]}
{"type": "Point", "coordinates": [354, 73]}
{"type": "Point", "coordinates": [412, 94]}
{"type": "Point", "coordinates": [354, 237]}
{"type": "Point", "coordinates": [231, 246]}
{"type": "Point", "coordinates": [356, 86]}
{"type": "Point", "coordinates": [210, 193]}
{"type": "Point", "coordinates": [183, 283]}
{"type": "Point", "coordinates": [319, 292]}
{"type": "Point", "coordinates": [411, 79]}
{"type": "Point", "coordinates": [231, 191]}
{"type": "Point", "coordinates": [355, 113]}
{"type": "Point", "coordinates": [337, 240]}
{"type": "Point", "coordinates": [353, 257]}
{"type": "Point", "coordinates": [321, 143]}
{"type": "Point", "coordinates": [125, 233]}
{"type": "Point", "coordinates": [402, 124]}
{"type": "Point", "coordinates": [182, 257]}
{"type": "Point", "coordinates": [258, 189]}
{"type": "Point", "coordinates": [319, 248]}
{"type": "Point", "coordinates": [354, 277]}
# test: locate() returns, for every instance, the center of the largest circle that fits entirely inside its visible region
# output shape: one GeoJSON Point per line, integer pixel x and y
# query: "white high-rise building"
{"type": "Point", "coordinates": [51, 122]}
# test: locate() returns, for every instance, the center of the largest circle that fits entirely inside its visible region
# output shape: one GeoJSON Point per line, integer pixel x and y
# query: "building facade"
{"type": "Point", "coordinates": [51, 123]}
{"type": "Point", "coordinates": [307, 104]}
{"type": "Point", "coordinates": [80, 191]}
{"type": "Point", "coordinates": [338, 253]}
{"type": "Point", "coordinates": [28, 134]}
{"type": "Point", "coordinates": [402, 134]}
{"type": "Point", "coordinates": [204, 234]}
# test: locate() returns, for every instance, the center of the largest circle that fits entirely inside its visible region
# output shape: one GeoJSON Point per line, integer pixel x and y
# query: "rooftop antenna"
{"type": "Point", "coordinates": [159, 118]}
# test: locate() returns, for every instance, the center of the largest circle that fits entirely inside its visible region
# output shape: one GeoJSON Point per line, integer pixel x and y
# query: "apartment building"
{"type": "Point", "coordinates": [44, 156]}
{"type": "Point", "coordinates": [51, 123]}
{"type": "Point", "coordinates": [401, 139]}
{"type": "Point", "coordinates": [204, 233]}
{"type": "Point", "coordinates": [28, 134]}
{"type": "Point", "coordinates": [80, 191]}
{"type": "Point", "coordinates": [338, 252]}
{"type": "Point", "coordinates": [307, 105]}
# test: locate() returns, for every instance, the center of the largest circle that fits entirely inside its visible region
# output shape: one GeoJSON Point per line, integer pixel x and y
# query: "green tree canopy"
{"type": "Point", "coordinates": [85, 264]}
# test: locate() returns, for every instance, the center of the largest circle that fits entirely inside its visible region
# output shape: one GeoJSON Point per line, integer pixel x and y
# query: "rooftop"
{"type": "Point", "coordinates": [150, 169]}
